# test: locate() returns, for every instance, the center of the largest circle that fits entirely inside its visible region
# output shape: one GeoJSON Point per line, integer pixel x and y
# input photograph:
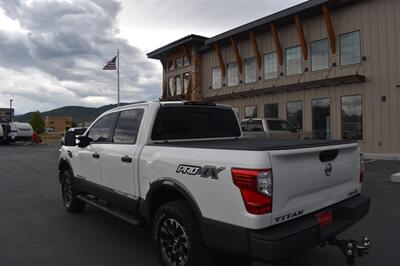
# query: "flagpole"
{"type": "Point", "coordinates": [118, 73]}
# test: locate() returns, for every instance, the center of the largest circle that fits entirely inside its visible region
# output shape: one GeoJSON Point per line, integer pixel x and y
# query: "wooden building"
{"type": "Point", "coordinates": [332, 67]}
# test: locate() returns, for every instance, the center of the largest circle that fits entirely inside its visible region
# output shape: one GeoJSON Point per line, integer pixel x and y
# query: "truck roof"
{"type": "Point", "coordinates": [165, 103]}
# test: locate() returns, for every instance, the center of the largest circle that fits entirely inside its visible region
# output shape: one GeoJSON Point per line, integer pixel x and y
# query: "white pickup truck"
{"type": "Point", "coordinates": [184, 168]}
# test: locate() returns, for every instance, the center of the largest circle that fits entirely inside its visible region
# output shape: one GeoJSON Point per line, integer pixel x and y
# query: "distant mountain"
{"type": "Point", "coordinates": [78, 113]}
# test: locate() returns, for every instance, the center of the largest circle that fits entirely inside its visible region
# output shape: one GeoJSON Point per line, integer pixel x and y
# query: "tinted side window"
{"type": "Point", "coordinates": [127, 127]}
{"type": "Point", "coordinates": [101, 131]}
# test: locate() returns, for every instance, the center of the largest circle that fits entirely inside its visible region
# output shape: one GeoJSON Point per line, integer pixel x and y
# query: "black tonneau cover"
{"type": "Point", "coordinates": [253, 144]}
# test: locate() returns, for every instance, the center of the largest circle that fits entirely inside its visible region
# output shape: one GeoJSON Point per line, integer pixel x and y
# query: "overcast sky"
{"type": "Point", "coordinates": [52, 52]}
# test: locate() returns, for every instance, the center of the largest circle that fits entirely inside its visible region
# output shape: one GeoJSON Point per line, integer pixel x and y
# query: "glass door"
{"type": "Point", "coordinates": [321, 118]}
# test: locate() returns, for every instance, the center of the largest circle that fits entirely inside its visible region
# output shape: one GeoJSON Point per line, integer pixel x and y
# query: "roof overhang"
{"type": "Point", "coordinates": [174, 46]}
{"type": "Point", "coordinates": [322, 83]}
{"type": "Point", "coordinates": [304, 10]}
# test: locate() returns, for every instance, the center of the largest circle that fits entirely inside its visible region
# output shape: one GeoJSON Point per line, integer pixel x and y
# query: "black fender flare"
{"type": "Point", "coordinates": [63, 164]}
{"type": "Point", "coordinates": [169, 183]}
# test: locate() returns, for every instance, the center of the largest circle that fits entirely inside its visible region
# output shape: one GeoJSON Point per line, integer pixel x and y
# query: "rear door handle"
{"type": "Point", "coordinates": [96, 155]}
{"type": "Point", "coordinates": [126, 159]}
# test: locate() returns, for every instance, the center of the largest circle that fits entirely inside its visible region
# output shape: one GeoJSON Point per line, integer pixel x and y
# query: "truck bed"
{"type": "Point", "coordinates": [253, 144]}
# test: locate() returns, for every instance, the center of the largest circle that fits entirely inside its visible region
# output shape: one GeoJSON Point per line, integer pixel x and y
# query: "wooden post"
{"type": "Point", "coordinates": [329, 28]}
{"type": "Point", "coordinates": [303, 43]}
{"type": "Point", "coordinates": [165, 79]}
{"type": "Point", "coordinates": [255, 48]}
{"type": "Point", "coordinates": [237, 55]}
{"type": "Point", "coordinates": [220, 60]}
{"type": "Point", "coordinates": [277, 44]}
{"type": "Point", "coordinates": [186, 52]}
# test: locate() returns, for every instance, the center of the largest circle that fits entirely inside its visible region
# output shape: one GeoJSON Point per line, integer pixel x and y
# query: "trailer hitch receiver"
{"type": "Point", "coordinates": [352, 248]}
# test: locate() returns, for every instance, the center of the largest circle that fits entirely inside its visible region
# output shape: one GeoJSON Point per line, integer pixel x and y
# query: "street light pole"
{"type": "Point", "coordinates": [11, 100]}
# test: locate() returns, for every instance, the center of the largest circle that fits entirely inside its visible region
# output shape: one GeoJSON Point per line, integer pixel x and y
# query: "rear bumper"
{"type": "Point", "coordinates": [287, 239]}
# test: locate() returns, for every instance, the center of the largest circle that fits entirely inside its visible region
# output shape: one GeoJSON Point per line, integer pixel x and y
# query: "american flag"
{"type": "Point", "coordinates": [111, 64]}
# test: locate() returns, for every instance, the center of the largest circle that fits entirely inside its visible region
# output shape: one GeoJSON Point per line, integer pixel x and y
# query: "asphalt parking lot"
{"type": "Point", "coordinates": [36, 230]}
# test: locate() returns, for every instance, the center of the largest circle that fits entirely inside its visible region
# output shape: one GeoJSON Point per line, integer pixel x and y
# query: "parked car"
{"type": "Point", "coordinates": [184, 168]}
{"type": "Point", "coordinates": [271, 128]}
{"type": "Point", "coordinates": [77, 132]}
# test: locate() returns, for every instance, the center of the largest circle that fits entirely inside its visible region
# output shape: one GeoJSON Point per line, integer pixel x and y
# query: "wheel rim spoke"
{"type": "Point", "coordinates": [174, 243]}
{"type": "Point", "coordinates": [67, 192]}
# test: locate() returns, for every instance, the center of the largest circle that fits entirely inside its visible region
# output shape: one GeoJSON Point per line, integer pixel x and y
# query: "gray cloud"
{"type": "Point", "coordinates": [67, 43]}
{"type": "Point", "coordinates": [57, 58]}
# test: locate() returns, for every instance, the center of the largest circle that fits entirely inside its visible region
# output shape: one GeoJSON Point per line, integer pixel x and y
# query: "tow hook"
{"type": "Point", "coordinates": [352, 248]}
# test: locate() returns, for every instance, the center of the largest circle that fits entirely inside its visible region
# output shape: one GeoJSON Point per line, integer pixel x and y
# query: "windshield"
{"type": "Point", "coordinates": [281, 125]}
{"type": "Point", "coordinates": [194, 122]}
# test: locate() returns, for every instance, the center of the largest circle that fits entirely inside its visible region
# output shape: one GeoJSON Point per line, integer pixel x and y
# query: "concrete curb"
{"type": "Point", "coordinates": [395, 178]}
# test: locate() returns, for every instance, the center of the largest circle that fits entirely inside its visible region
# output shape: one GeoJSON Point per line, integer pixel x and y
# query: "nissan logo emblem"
{"type": "Point", "coordinates": [328, 169]}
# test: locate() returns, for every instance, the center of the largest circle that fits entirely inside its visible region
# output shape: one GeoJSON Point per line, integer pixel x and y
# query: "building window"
{"type": "Point", "coordinates": [270, 66]}
{"type": "Point", "coordinates": [250, 111]}
{"type": "Point", "coordinates": [271, 110]}
{"type": "Point", "coordinates": [352, 118]}
{"type": "Point", "coordinates": [178, 62]}
{"type": "Point", "coordinates": [250, 68]}
{"type": "Point", "coordinates": [216, 78]}
{"type": "Point", "coordinates": [178, 85]}
{"type": "Point", "coordinates": [293, 60]}
{"type": "Point", "coordinates": [186, 78]}
{"type": "Point", "coordinates": [350, 51]}
{"type": "Point", "coordinates": [321, 118]}
{"type": "Point", "coordinates": [294, 113]}
{"type": "Point", "coordinates": [186, 61]}
{"type": "Point", "coordinates": [170, 65]}
{"type": "Point", "coordinates": [319, 55]}
{"type": "Point", "coordinates": [233, 76]}
{"type": "Point", "coordinates": [171, 89]}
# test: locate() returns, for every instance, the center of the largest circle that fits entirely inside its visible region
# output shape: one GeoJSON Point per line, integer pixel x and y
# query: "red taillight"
{"type": "Point", "coordinates": [324, 218]}
{"type": "Point", "coordinates": [256, 189]}
{"type": "Point", "coordinates": [362, 168]}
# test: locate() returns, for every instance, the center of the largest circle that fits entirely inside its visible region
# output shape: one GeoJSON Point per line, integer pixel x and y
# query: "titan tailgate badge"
{"type": "Point", "coordinates": [205, 171]}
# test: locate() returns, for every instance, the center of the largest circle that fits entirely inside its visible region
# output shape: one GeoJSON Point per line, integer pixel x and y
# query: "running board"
{"type": "Point", "coordinates": [126, 216]}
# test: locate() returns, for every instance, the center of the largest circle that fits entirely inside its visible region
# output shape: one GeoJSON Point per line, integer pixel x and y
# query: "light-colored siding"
{"type": "Point", "coordinates": [379, 26]}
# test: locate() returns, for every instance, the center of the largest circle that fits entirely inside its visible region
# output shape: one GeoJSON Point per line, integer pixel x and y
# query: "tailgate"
{"type": "Point", "coordinates": [309, 179]}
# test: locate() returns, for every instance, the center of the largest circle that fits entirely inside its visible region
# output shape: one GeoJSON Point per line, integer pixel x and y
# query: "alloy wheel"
{"type": "Point", "coordinates": [174, 243]}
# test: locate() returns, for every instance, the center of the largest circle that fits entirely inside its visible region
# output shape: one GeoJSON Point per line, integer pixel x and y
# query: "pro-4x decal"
{"type": "Point", "coordinates": [205, 171]}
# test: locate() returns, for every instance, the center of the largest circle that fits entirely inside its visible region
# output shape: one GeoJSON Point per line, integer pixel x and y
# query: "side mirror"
{"type": "Point", "coordinates": [84, 141]}
{"type": "Point", "coordinates": [69, 139]}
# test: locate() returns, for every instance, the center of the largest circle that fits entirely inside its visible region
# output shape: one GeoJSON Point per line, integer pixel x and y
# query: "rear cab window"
{"type": "Point", "coordinates": [280, 125]}
{"type": "Point", "coordinates": [252, 126]}
{"type": "Point", "coordinates": [194, 122]}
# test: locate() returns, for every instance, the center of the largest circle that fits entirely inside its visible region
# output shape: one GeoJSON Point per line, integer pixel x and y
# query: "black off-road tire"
{"type": "Point", "coordinates": [68, 193]}
{"type": "Point", "coordinates": [178, 236]}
